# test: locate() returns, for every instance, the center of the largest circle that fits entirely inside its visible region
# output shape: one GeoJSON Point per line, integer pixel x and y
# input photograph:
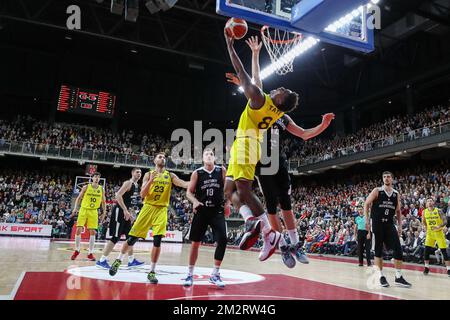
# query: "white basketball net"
{"type": "Point", "coordinates": [278, 43]}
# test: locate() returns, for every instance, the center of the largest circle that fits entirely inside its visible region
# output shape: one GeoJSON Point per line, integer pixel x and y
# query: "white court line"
{"type": "Point", "coordinates": [17, 285]}
{"type": "Point", "coordinates": [7, 297]}
{"type": "Point", "coordinates": [238, 295]}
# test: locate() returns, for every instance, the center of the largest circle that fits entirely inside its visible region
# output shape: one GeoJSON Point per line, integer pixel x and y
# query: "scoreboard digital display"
{"type": "Point", "coordinates": [85, 101]}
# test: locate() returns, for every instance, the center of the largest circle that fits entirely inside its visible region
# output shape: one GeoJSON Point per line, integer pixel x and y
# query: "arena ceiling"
{"type": "Point", "coordinates": [187, 40]}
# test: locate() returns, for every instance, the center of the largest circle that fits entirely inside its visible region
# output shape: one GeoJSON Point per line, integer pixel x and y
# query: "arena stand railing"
{"type": "Point", "coordinates": [44, 151]}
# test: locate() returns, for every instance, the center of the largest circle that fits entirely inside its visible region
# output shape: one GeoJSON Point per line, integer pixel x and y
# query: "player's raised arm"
{"type": "Point", "coordinates": [368, 204]}
{"type": "Point", "coordinates": [251, 91]}
{"type": "Point", "coordinates": [307, 134]}
{"type": "Point", "coordinates": [179, 182]}
{"type": "Point", "coordinates": [255, 46]}
{"type": "Point", "coordinates": [119, 198]}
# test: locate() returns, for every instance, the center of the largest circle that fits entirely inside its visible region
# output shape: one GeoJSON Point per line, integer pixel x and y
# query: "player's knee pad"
{"type": "Point", "coordinates": [157, 241]}
{"type": "Point", "coordinates": [220, 248]}
{"type": "Point", "coordinates": [132, 240]}
{"type": "Point", "coordinates": [285, 202]}
{"type": "Point", "coordinates": [271, 204]}
{"type": "Point", "coordinates": [428, 251]}
{"type": "Point", "coordinates": [114, 240]}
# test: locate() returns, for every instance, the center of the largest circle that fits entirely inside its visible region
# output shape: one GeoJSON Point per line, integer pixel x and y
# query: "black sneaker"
{"type": "Point", "coordinates": [383, 282]}
{"type": "Point", "coordinates": [402, 282]}
{"type": "Point", "coordinates": [360, 265]}
{"type": "Point", "coordinates": [115, 267]}
{"type": "Point", "coordinates": [448, 272]}
{"type": "Point", "coordinates": [426, 271]}
{"type": "Point", "coordinates": [152, 277]}
{"type": "Point", "coordinates": [251, 235]}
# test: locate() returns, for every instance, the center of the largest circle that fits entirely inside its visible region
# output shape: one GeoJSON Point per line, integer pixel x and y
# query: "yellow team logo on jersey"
{"type": "Point", "coordinates": [92, 198]}
{"type": "Point", "coordinates": [159, 192]}
{"type": "Point", "coordinates": [432, 218]}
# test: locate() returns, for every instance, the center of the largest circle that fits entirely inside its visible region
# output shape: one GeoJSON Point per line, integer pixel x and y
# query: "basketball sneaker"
{"type": "Point", "coordinates": [75, 255]}
{"type": "Point", "coordinates": [251, 235]}
{"type": "Point", "coordinates": [91, 257]}
{"type": "Point", "coordinates": [287, 257]}
{"type": "Point", "coordinates": [135, 263]}
{"type": "Point", "coordinates": [152, 277]}
{"type": "Point", "coordinates": [448, 272]}
{"type": "Point", "coordinates": [103, 265]}
{"type": "Point", "coordinates": [215, 279]}
{"type": "Point", "coordinates": [402, 282]}
{"type": "Point", "coordinates": [426, 271]}
{"type": "Point", "coordinates": [299, 254]}
{"type": "Point", "coordinates": [188, 281]}
{"type": "Point", "coordinates": [383, 282]}
{"type": "Point", "coordinates": [114, 267]}
{"type": "Point", "coordinates": [271, 240]}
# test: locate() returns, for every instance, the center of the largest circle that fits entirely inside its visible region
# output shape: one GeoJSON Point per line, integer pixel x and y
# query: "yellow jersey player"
{"type": "Point", "coordinates": [434, 222]}
{"type": "Point", "coordinates": [92, 196]}
{"type": "Point", "coordinates": [156, 188]}
{"type": "Point", "coordinates": [261, 112]}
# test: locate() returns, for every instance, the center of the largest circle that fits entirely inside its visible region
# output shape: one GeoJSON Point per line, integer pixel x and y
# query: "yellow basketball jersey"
{"type": "Point", "coordinates": [253, 123]}
{"type": "Point", "coordinates": [432, 218]}
{"type": "Point", "coordinates": [92, 198]}
{"type": "Point", "coordinates": [159, 192]}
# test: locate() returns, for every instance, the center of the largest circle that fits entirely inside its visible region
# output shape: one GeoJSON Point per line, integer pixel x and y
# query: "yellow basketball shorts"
{"type": "Point", "coordinates": [245, 153]}
{"type": "Point", "coordinates": [88, 217]}
{"type": "Point", "coordinates": [150, 217]}
{"type": "Point", "coordinates": [436, 237]}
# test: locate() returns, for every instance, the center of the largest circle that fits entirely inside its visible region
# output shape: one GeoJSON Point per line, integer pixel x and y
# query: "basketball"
{"type": "Point", "coordinates": [236, 28]}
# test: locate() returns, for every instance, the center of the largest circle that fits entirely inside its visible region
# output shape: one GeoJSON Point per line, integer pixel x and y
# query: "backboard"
{"type": "Point", "coordinates": [339, 22]}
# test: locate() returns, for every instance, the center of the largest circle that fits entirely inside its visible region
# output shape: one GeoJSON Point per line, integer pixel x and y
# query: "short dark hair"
{"type": "Point", "coordinates": [290, 102]}
{"type": "Point", "coordinates": [208, 149]}
{"type": "Point", "coordinates": [389, 173]}
{"type": "Point", "coordinates": [96, 173]}
{"type": "Point", "coordinates": [135, 169]}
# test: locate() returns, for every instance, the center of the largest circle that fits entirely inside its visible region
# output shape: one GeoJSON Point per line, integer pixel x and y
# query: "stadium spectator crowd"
{"type": "Point", "coordinates": [33, 197]}
{"type": "Point", "coordinates": [406, 127]}
{"type": "Point", "coordinates": [138, 145]}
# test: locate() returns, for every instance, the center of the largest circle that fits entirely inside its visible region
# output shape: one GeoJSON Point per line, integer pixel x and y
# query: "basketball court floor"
{"type": "Point", "coordinates": [41, 269]}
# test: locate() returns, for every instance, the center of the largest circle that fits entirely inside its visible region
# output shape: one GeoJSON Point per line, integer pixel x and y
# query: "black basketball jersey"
{"type": "Point", "coordinates": [384, 207]}
{"type": "Point", "coordinates": [274, 136]}
{"type": "Point", "coordinates": [209, 188]}
{"type": "Point", "coordinates": [131, 197]}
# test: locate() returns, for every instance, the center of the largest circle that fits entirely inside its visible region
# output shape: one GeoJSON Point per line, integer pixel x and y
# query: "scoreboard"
{"type": "Point", "coordinates": [86, 101]}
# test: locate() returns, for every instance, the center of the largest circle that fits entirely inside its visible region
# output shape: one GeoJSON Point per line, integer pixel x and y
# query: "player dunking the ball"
{"type": "Point", "coordinates": [92, 196]}
{"type": "Point", "coordinates": [261, 112]}
{"type": "Point", "coordinates": [156, 189]}
{"type": "Point", "coordinates": [385, 203]}
{"type": "Point", "coordinates": [434, 221]}
{"type": "Point", "coordinates": [120, 224]}
{"type": "Point", "coordinates": [206, 194]}
{"type": "Point", "coordinates": [276, 188]}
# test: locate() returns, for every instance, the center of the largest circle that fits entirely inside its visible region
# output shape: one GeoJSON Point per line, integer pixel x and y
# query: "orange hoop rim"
{"type": "Point", "coordinates": [288, 41]}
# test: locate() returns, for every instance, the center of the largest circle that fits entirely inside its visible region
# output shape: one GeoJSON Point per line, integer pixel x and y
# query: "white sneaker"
{"type": "Point", "coordinates": [271, 240]}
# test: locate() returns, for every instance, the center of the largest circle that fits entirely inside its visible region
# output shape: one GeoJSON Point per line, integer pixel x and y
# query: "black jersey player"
{"type": "Point", "coordinates": [385, 203]}
{"type": "Point", "coordinates": [121, 219]}
{"type": "Point", "coordinates": [206, 194]}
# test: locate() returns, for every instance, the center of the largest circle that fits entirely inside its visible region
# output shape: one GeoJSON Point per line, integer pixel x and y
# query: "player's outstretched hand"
{"type": "Point", "coordinates": [254, 44]}
{"type": "Point", "coordinates": [233, 78]}
{"type": "Point", "coordinates": [327, 118]}
{"type": "Point", "coordinates": [229, 39]}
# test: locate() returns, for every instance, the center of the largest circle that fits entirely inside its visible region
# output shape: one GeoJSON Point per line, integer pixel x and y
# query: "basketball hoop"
{"type": "Point", "coordinates": [278, 43]}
